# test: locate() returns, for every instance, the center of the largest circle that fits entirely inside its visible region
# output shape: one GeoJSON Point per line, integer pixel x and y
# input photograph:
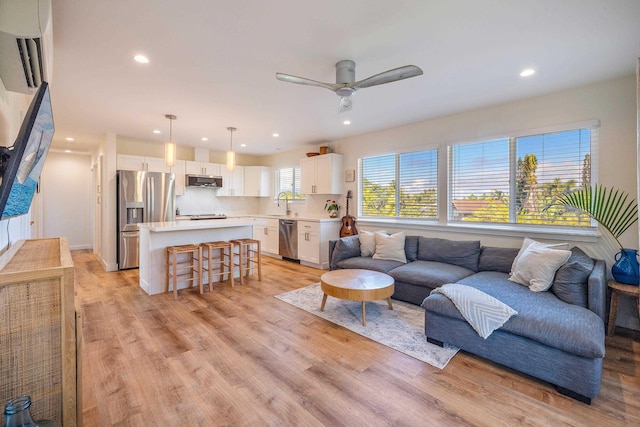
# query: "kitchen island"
{"type": "Point", "coordinates": [156, 236]}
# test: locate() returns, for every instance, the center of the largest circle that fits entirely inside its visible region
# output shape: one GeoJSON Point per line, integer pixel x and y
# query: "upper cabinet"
{"type": "Point", "coordinates": [321, 174]}
{"type": "Point", "coordinates": [202, 168]}
{"type": "Point", "coordinates": [257, 181]}
{"type": "Point", "coordinates": [129, 162]}
{"type": "Point", "coordinates": [232, 181]}
{"type": "Point", "coordinates": [179, 170]}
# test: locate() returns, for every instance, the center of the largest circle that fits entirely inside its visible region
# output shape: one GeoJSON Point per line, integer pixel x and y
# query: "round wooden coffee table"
{"type": "Point", "coordinates": [357, 285]}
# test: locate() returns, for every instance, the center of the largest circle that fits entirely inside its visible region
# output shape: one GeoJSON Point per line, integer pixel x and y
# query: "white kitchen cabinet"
{"type": "Point", "coordinates": [321, 174]}
{"type": "Point", "coordinates": [268, 236]}
{"type": "Point", "coordinates": [130, 162]}
{"type": "Point", "coordinates": [202, 168]}
{"type": "Point", "coordinates": [257, 181]}
{"type": "Point", "coordinates": [179, 170]}
{"type": "Point", "coordinates": [313, 242]}
{"type": "Point", "coordinates": [232, 182]}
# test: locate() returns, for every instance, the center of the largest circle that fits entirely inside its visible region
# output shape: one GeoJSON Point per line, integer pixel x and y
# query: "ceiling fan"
{"type": "Point", "coordinates": [346, 84]}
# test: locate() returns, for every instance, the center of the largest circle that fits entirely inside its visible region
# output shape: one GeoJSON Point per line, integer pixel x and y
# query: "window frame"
{"type": "Point", "coordinates": [296, 197]}
{"type": "Point", "coordinates": [583, 234]}
{"type": "Point", "coordinates": [398, 187]}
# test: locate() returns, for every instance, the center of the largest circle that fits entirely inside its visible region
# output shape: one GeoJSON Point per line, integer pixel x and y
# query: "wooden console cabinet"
{"type": "Point", "coordinates": [38, 329]}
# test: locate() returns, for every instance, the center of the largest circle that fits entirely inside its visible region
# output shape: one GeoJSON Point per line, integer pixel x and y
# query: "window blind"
{"type": "Point", "coordinates": [516, 180]}
{"type": "Point", "coordinates": [399, 185]}
{"type": "Point", "coordinates": [289, 182]}
{"type": "Point", "coordinates": [548, 165]}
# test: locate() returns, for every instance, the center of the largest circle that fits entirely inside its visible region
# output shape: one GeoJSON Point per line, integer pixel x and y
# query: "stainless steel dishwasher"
{"type": "Point", "coordinates": [289, 239]}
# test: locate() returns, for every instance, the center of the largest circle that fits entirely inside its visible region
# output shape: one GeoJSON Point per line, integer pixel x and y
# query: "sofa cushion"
{"type": "Point", "coordinates": [526, 242]}
{"type": "Point", "coordinates": [536, 266]}
{"type": "Point", "coordinates": [411, 248]}
{"type": "Point", "coordinates": [570, 283]}
{"type": "Point", "coordinates": [346, 247]}
{"type": "Point", "coordinates": [390, 247]}
{"type": "Point", "coordinates": [464, 253]}
{"type": "Point", "coordinates": [497, 259]}
{"type": "Point", "coordinates": [368, 242]}
{"type": "Point", "coordinates": [541, 315]}
{"type": "Point", "coordinates": [368, 263]}
{"type": "Point", "coordinates": [429, 274]}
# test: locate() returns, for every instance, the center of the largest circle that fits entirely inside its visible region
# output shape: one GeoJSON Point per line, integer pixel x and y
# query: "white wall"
{"type": "Point", "coordinates": [611, 102]}
{"type": "Point", "coordinates": [65, 187]}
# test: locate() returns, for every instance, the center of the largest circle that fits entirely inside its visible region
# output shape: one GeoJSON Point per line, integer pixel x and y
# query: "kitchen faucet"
{"type": "Point", "coordinates": [286, 201]}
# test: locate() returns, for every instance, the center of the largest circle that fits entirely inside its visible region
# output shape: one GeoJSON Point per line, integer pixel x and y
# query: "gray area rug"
{"type": "Point", "coordinates": [401, 328]}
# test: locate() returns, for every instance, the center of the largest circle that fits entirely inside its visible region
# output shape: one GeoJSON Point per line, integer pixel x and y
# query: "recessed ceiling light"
{"type": "Point", "coordinates": [67, 151]}
{"type": "Point", "coordinates": [275, 135]}
{"type": "Point", "coordinates": [69, 139]}
{"type": "Point", "coordinates": [243, 145]}
{"type": "Point", "coordinates": [205, 138]}
{"type": "Point", "coordinates": [156, 131]}
{"type": "Point", "coordinates": [346, 122]}
{"type": "Point", "coordinates": [528, 72]}
{"type": "Point", "coordinates": [141, 59]}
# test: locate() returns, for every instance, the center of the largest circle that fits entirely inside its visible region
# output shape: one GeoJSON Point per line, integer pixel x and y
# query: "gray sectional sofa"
{"type": "Point", "coordinates": [557, 335]}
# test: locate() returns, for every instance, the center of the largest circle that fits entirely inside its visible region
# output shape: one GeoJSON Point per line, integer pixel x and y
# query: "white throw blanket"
{"type": "Point", "coordinates": [483, 312]}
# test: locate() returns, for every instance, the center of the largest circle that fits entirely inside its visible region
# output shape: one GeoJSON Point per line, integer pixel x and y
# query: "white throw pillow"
{"type": "Point", "coordinates": [528, 242]}
{"type": "Point", "coordinates": [368, 242]}
{"type": "Point", "coordinates": [390, 247]}
{"type": "Point", "coordinates": [537, 266]}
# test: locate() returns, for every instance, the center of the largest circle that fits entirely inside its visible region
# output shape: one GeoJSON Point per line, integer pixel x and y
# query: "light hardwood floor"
{"type": "Point", "coordinates": [241, 357]}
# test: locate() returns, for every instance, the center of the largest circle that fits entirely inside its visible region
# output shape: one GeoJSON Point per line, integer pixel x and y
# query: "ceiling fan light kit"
{"type": "Point", "coordinates": [346, 84]}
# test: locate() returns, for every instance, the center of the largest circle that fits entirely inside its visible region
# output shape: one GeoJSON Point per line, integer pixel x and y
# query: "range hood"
{"type": "Point", "coordinates": [206, 181]}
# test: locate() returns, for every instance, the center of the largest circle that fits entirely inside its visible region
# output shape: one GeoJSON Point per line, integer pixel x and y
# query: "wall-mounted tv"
{"type": "Point", "coordinates": [21, 164]}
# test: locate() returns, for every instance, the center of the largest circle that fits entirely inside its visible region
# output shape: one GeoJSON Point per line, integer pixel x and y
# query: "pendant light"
{"type": "Point", "coordinates": [231, 155]}
{"type": "Point", "coordinates": [170, 146]}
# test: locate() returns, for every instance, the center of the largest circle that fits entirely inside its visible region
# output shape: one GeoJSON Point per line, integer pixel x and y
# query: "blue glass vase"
{"type": "Point", "coordinates": [625, 270]}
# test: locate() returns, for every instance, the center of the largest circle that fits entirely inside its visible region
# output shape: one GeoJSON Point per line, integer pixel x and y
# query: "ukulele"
{"type": "Point", "coordinates": [348, 222]}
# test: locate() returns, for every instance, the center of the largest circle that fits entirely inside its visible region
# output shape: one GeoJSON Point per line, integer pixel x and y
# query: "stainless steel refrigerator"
{"type": "Point", "coordinates": [142, 197]}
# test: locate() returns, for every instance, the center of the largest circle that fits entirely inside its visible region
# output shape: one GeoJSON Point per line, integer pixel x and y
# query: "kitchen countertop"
{"type": "Point", "coordinates": [296, 218]}
{"type": "Point", "coordinates": [293, 217]}
{"type": "Point", "coordinates": [198, 225]}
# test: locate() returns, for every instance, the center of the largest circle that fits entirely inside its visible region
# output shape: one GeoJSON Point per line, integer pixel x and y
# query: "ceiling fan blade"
{"type": "Point", "coordinates": [303, 81]}
{"type": "Point", "coordinates": [389, 76]}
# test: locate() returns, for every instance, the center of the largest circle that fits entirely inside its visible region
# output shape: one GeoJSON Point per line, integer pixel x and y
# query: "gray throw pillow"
{"type": "Point", "coordinates": [346, 247]}
{"type": "Point", "coordinates": [411, 248]}
{"type": "Point", "coordinates": [464, 253]}
{"type": "Point", "coordinates": [570, 284]}
{"type": "Point", "coordinates": [497, 259]}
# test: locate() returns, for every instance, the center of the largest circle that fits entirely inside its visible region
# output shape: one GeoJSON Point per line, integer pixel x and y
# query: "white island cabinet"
{"type": "Point", "coordinates": [156, 236]}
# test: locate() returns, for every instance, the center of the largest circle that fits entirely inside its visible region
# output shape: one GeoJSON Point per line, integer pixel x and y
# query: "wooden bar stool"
{"type": "Point", "coordinates": [223, 263]}
{"type": "Point", "coordinates": [248, 257]}
{"type": "Point", "coordinates": [177, 269]}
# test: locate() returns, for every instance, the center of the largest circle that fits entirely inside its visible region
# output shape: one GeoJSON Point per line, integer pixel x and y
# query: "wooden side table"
{"type": "Point", "coordinates": [616, 290]}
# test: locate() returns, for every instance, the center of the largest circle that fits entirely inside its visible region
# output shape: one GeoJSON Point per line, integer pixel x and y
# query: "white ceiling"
{"type": "Point", "coordinates": [213, 63]}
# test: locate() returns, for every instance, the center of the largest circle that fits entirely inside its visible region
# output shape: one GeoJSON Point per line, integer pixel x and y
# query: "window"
{"type": "Point", "coordinates": [514, 180]}
{"type": "Point", "coordinates": [399, 185]}
{"type": "Point", "coordinates": [288, 181]}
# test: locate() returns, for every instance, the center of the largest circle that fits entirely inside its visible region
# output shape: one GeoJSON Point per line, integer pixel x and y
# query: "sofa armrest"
{"type": "Point", "coordinates": [597, 288]}
{"type": "Point", "coordinates": [344, 248]}
{"type": "Point", "coordinates": [332, 246]}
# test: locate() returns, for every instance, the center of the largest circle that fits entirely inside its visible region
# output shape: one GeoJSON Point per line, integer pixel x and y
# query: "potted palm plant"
{"type": "Point", "coordinates": [615, 211]}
